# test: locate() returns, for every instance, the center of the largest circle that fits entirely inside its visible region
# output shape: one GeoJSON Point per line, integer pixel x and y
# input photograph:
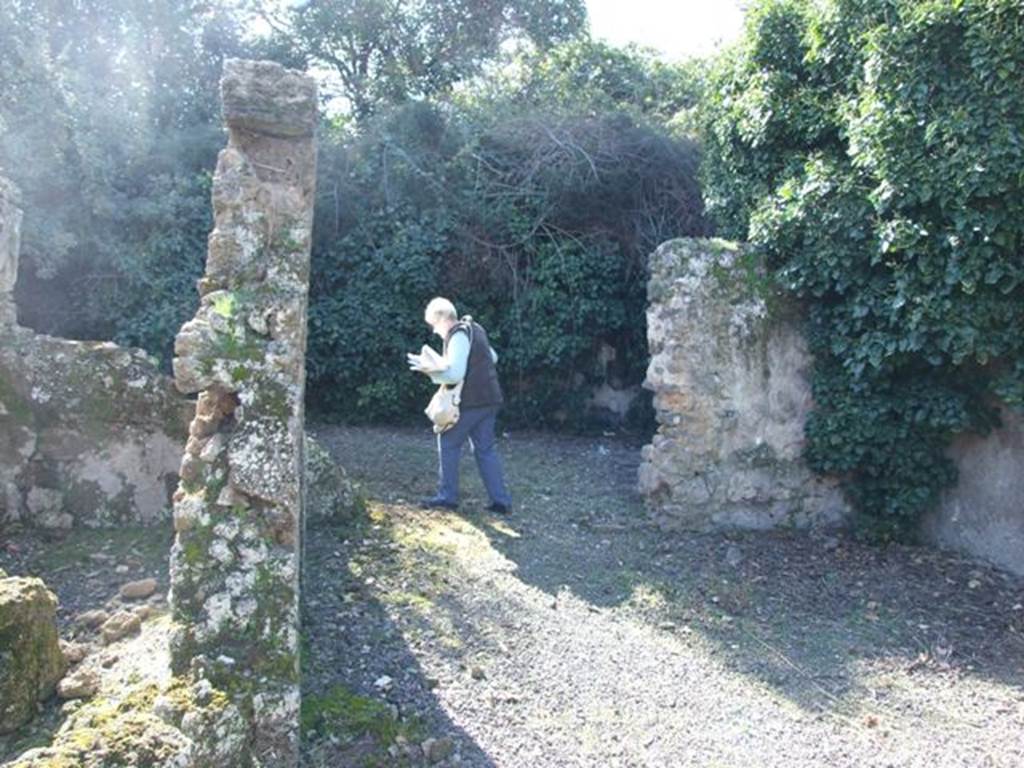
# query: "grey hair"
{"type": "Point", "coordinates": [440, 309]}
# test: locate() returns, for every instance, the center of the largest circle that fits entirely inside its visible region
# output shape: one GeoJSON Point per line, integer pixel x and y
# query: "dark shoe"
{"type": "Point", "coordinates": [435, 503]}
{"type": "Point", "coordinates": [501, 509]}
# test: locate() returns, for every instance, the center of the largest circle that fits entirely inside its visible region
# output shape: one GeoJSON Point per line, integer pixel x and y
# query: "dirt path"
{"type": "Point", "coordinates": [571, 634]}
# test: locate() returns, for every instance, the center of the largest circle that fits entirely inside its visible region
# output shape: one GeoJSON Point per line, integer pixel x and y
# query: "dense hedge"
{"type": "Point", "coordinates": [530, 195]}
{"type": "Point", "coordinates": [537, 222]}
{"type": "Point", "coordinates": [873, 150]}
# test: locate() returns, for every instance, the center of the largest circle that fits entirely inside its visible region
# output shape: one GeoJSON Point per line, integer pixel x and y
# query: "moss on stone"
{"type": "Point", "coordinates": [216, 483]}
{"type": "Point", "coordinates": [236, 346]}
{"type": "Point", "coordinates": [273, 402]}
{"type": "Point", "coordinates": [195, 545]}
{"type": "Point", "coordinates": [33, 662]}
{"type": "Point", "coordinates": [276, 658]}
{"type": "Point", "coordinates": [225, 304]}
{"type": "Point", "coordinates": [738, 272]}
{"type": "Point", "coordinates": [181, 694]}
{"type": "Point", "coordinates": [758, 456]}
{"type": "Point", "coordinates": [126, 732]}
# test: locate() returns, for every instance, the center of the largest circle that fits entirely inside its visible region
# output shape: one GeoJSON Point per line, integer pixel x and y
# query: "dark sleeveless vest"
{"type": "Point", "coordinates": [481, 388]}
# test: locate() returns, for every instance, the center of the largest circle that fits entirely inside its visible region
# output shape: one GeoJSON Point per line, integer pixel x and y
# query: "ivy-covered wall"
{"type": "Point", "coordinates": [731, 372]}
{"type": "Point", "coordinates": [871, 152]}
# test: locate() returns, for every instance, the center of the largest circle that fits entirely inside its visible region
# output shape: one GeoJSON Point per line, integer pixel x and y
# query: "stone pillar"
{"type": "Point", "coordinates": [10, 243]}
{"type": "Point", "coordinates": [729, 373]}
{"type": "Point", "coordinates": [238, 511]}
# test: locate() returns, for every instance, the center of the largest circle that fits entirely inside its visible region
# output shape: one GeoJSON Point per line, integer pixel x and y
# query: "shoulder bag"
{"type": "Point", "coordinates": [443, 408]}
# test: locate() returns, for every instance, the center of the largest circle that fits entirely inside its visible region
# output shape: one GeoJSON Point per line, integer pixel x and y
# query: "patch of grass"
{"type": "Point", "coordinates": [76, 547]}
{"type": "Point", "coordinates": [420, 602]}
{"type": "Point", "coordinates": [648, 597]}
{"type": "Point", "coordinates": [345, 715]}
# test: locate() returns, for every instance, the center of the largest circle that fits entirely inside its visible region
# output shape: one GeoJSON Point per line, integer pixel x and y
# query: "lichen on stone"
{"type": "Point", "coordinates": [238, 511]}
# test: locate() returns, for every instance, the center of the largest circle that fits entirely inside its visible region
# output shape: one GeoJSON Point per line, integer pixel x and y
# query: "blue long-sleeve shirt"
{"type": "Point", "coordinates": [457, 357]}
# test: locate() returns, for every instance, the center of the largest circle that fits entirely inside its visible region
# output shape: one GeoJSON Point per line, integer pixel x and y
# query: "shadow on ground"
{"type": "Point", "coordinates": [367, 703]}
{"type": "Point", "coordinates": [830, 623]}
{"type": "Point", "coordinates": [348, 720]}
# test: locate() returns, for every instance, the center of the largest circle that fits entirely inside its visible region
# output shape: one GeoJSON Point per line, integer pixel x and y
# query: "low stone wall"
{"type": "Point", "coordinates": [730, 373]}
{"type": "Point", "coordinates": [730, 391]}
{"type": "Point", "coordinates": [90, 433]}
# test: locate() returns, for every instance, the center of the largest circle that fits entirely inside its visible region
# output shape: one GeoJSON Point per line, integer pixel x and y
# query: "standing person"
{"type": "Point", "coordinates": [467, 355]}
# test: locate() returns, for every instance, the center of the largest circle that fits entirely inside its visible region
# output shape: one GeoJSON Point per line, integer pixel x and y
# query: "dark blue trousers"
{"type": "Point", "coordinates": [476, 425]}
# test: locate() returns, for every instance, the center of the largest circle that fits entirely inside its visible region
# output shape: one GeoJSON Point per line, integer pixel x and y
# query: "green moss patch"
{"type": "Point", "coordinates": [345, 715]}
{"type": "Point", "coordinates": [78, 546]}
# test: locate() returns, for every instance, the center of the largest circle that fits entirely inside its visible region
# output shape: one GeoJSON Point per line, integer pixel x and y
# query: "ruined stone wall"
{"type": "Point", "coordinates": [731, 394]}
{"type": "Point", "coordinates": [90, 432]}
{"type": "Point", "coordinates": [983, 515]}
{"type": "Point", "coordinates": [730, 372]}
{"type": "Point", "coordinates": [238, 511]}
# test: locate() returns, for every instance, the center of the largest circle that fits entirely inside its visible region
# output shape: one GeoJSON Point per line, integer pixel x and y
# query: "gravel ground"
{"type": "Point", "coordinates": [572, 634]}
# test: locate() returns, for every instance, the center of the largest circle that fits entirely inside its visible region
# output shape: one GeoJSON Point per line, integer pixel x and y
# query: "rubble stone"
{"type": "Point", "coordinates": [137, 590]}
{"type": "Point", "coordinates": [80, 684]}
{"type": "Point", "coordinates": [31, 661]}
{"type": "Point", "coordinates": [120, 625]}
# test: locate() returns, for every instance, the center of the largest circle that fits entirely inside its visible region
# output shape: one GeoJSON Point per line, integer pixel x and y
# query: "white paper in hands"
{"type": "Point", "coordinates": [427, 361]}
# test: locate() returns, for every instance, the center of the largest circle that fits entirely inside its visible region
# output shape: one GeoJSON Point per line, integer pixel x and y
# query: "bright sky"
{"type": "Point", "coordinates": [677, 28]}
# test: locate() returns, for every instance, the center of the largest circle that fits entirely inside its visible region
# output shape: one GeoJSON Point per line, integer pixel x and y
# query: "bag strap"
{"type": "Point", "coordinates": [457, 390]}
{"type": "Point", "coordinates": [468, 320]}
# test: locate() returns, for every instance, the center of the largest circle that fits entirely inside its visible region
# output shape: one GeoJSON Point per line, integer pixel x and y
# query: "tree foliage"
{"type": "Point", "coordinates": [109, 122]}
{"type": "Point", "coordinates": [386, 52]}
{"type": "Point", "coordinates": [873, 151]}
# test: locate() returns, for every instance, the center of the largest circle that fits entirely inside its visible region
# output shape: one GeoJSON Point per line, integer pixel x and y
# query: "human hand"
{"type": "Point", "coordinates": [415, 362]}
